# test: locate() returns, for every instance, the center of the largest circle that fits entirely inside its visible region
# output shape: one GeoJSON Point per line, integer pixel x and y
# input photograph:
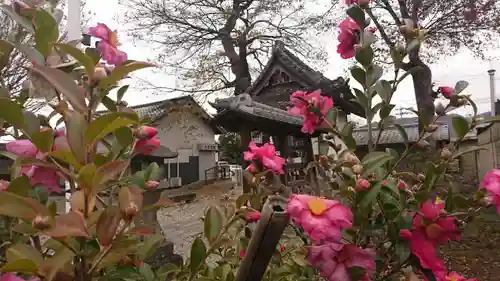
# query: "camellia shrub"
{"type": "Point", "coordinates": [90, 151]}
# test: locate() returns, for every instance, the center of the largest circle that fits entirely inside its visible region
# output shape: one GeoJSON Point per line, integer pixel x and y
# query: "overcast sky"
{"type": "Point", "coordinates": [459, 67]}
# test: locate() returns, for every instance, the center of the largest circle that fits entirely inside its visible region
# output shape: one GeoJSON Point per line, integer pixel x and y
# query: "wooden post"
{"type": "Point", "coordinates": [264, 240]}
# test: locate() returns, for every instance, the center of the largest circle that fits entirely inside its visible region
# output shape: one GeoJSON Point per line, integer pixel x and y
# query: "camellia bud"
{"type": "Point", "coordinates": [122, 103]}
{"type": "Point", "coordinates": [252, 216]}
{"type": "Point", "coordinates": [4, 185]}
{"type": "Point", "coordinates": [421, 177]}
{"type": "Point", "coordinates": [126, 261]}
{"type": "Point", "coordinates": [146, 132]}
{"type": "Point", "coordinates": [357, 169]}
{"type": "Point", "coordinates": [446, 154]}
{"type": "Point", "coordinates": [324, 161]}
{"type": "Point", "coordinates": [351, 158]}
{"type": "Point", "coordinates": [100, 73]}
{"type": "Point", "coordinates": [151, 185]}
{"type": "Point", "coordinates": [362, 184]}
{"type": "Point", "coordinates": [440, 110]}
{"type": "Point", "coordinates": [431, 128]}
{"type": "Point", "coordinates": [130, 212]}
{"type": "Point", "coordinates": [357, 47]}
{"type": "Point", "coordinates": [41, 222]}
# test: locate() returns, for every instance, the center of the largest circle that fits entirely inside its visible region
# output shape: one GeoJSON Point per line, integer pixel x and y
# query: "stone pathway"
{"type": "Point", "coordinates": [181, 223]}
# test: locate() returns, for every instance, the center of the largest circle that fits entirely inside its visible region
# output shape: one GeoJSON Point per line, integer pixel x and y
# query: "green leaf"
{"type": "Point", "coordinates": [358, 15]}
{"type": "Point", "coordinates": [153, 172]}
{"type": "Point", "coordinates": [43, 140]}
{"type": "Point", "coordinates": [31, 53]}
{"type": "Point", "coordinates": [461, 86]}
{"type": "Point", "coordinates": [107, 225]}
{"type": "Point", "coordinates": [149, 245]}
{"type": "Point", "coordinates": [402, 252]}
{"type": "Point", "coordinates": [402, 132]}
{"type": "Point", "coordinates": [121, 92]}
{"type": "Point", "coordinates": [213, 223]}
{"type": "Point", "coordinates": [371, 196]}
{"type": "Point", "coordinates": [121, 71]}
{"type": "Point", "coordinates": [85, 60]}
{"type": "Point", "coordinates": [57, 262]}
{"type": "Point", "coordinates": [109, 103]}
{"type": "Point", "coordinates": [67, 157]}
{"type": "Point", "coordinates": [373, 74]}
{"type": "Point", "coordinates": [65, 84]}
{"type": "Point", "coordinates": [124, 136]}
{"type": "Point", "coordinates": [106, 124]}
{"type": "Point", "coordinates": [168, 268]}
{"type": "Point", "coordinates": [359, 74]}
{"type": "Point", "coordinates": [31, 123]}
{"type": "Point", "coordinates": [87, 174]}
{"type": "Point", "coordinates": [20, 186]}
{"type": "Point", "coordinates": [24, 22]}
{"type": "Point", "coordinates": [350, 142]}
{"type": "Point", "coordinates": [16, 206]}
{"type": "Point", "coordinates": [46, 31]}
{"type": "Point", "coordinates": [147, 272]}
{"type": "Point", "coordinates": [384, 90]}
{"type": "Point", "coordinates": [21, 266]}
{"type": "Point", "coordinates": [197, 257]}
{"type": "Point", "coordinates": [94, 54]}
{"type": "Point", "coordinates": [386, 109]}
{"type": "Point", "coordinates": [11, 112]}
{"type": "Point", "coordinates": [23, 252]}
{"type": "Point", "coordinates": [365, 55]}
{"type": "Point", "coordinates": [460, 125]}
{"type": "Point", "coordinates": [40, 194]}
{"type": "Point", "coordinates": [375, 160]}
{"type": "Point", "coordinates": [109, 171]}
{"type": "Point", "coordinates": [362, 99]}
{"type": "Point", "coordinates": [75, 128]}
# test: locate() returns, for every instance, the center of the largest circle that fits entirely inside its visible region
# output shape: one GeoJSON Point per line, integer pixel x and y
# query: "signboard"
{"type": "Point", "coordinates": [208, 147]}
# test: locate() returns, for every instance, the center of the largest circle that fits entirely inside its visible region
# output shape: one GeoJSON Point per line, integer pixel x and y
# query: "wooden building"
{"type": "Point", "coordinates": [263, 108]}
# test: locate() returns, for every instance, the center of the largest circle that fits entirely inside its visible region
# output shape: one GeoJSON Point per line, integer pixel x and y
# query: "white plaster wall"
{"type": "Point", "coordinates": [181, 131]}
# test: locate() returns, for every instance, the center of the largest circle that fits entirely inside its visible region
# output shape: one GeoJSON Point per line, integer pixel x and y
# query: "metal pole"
{"type": "Point", "coordinates": [74, 34]}
{"type": "Point", "coordinates": [491, 73]}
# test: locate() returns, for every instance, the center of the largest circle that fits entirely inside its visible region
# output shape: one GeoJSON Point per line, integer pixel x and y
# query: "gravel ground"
{"type": "Point", "coordinates": [182, 222]}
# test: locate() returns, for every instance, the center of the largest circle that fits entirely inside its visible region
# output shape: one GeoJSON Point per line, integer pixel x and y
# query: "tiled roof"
{"type": "Point", "coordinates": [244, 104]}
{"type": "Point", "coordinates": [338, 89]}
{"type": "Point", "coordinates": [392, 135]}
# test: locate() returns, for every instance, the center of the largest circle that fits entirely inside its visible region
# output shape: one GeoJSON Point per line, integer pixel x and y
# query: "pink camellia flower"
{"type": "Point", "coordinates": [431, 227]}
{"type": "Point", "coordinates": [425, 251]}
{"type": "Point", "coordinates": [108, 46]}
{"type": "Point", "coordinates": [312, 106]}
{"type": "Point", "coordinates": [146, 132]}
{"type": "Point", "coordinates": [4, 185]}
{"type": "Point", "coordinates": [432, 220]}
{"type": "Point", "coordinates": [446, 91]}
{"type": "Point", "coordinates": [38, 175]}
{"type": "Point", "coordinates": [334, 260]}
{"type": "Point", "coordinates": [491, 183]}
{"type": "Point", "coordinates": [322, 219]}
{"type": "Point", "coordinates": [453, 276]}
{"type": "Point", "coordinates": [252, 216]}
{"type": "Point", "coordinates": [9, 276]}
{"type": "Point", "coordinates": [147, 146]}
{"type": "Point", "coordinates": [348, 38]}
{"type": "Point", "coordinates": [266, 154]}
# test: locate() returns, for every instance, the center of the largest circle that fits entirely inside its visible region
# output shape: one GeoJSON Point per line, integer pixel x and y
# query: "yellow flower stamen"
{"type": "Point", "coordinates": [439, 200]}
{"type": "Point", "coordinates": [317, 206]}
{"type": "Point", "coordinates": [113, 39]}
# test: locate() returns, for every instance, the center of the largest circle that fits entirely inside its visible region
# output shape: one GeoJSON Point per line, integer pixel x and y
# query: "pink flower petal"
{"type": "Point", "coordinates": [23, 148]}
